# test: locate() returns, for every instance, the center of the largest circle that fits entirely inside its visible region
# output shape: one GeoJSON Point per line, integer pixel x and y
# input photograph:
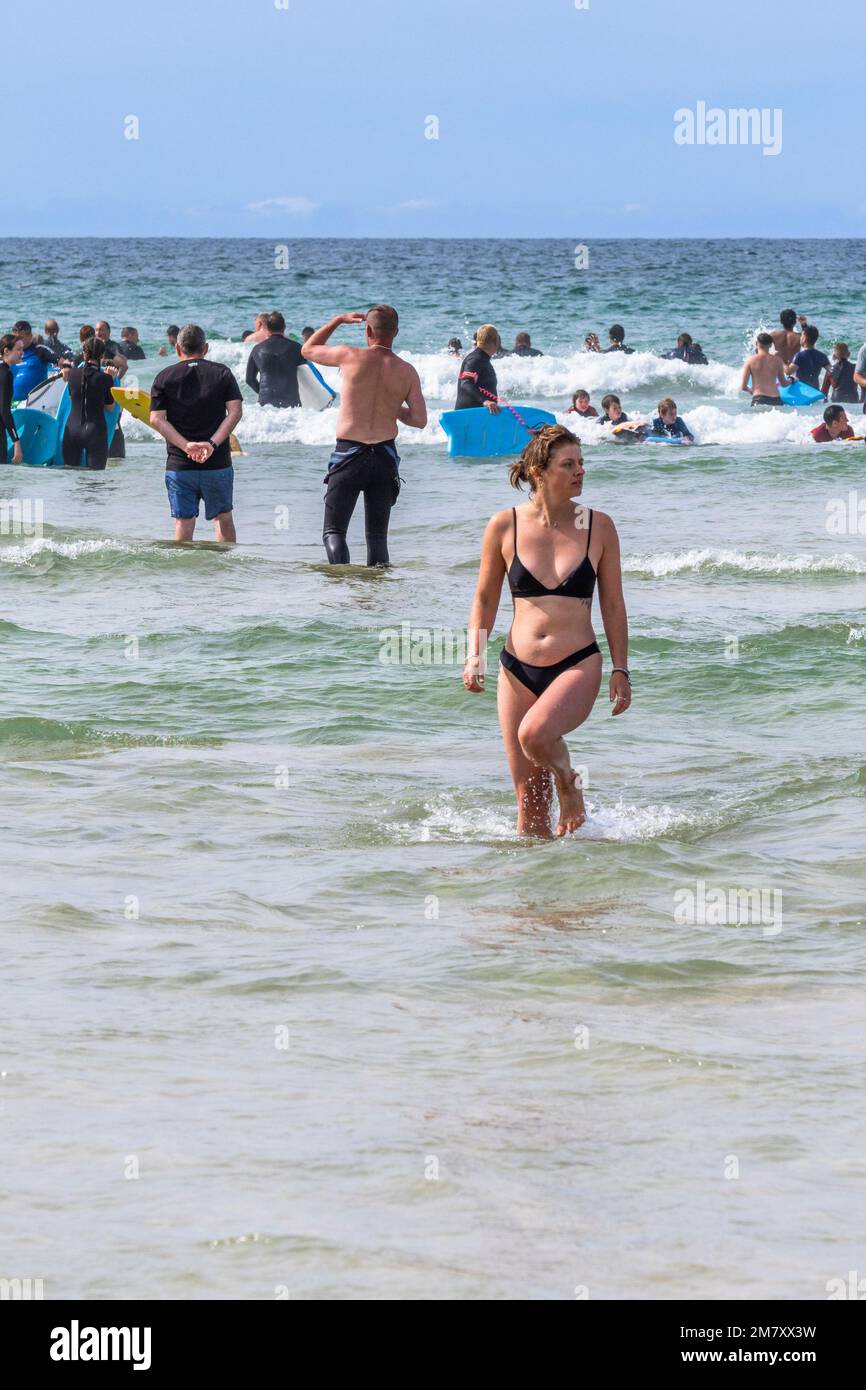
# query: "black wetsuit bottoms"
{"type": "Point", "coordinates": [117, 447]}
{"type": "Point", "coordinates": [766, 400]}
{"type": "Point", "coordinates": [355, 468]}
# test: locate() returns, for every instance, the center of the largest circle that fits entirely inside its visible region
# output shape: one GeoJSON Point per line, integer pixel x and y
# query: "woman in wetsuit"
{"type": "Point", "coordinates": [11, 352]}
{"type": "Point", "coordinates": [90, 402]}
{"type": "Point", "coordinates": [552, 552]}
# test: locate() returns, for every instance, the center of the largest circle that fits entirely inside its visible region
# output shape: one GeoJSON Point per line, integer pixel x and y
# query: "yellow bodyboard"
{"type": "Point", "coordinates": [138, 405]}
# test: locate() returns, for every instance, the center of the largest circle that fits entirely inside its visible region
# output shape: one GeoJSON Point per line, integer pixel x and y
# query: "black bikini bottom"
{"type": "Point", "coordinates": [538, 678]}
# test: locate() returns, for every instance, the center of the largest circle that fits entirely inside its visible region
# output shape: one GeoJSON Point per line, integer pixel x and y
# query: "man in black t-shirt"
{"type": "Point", "coordinates": [272, 368]}
{"type": "Point", "coordinates": [195, 405]}
{"type": "Point", "coordinates": [477, 374]}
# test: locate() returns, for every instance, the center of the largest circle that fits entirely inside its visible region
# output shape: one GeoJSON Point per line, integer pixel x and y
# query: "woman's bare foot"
{"type": "Point", "coordinates": [572, 811]}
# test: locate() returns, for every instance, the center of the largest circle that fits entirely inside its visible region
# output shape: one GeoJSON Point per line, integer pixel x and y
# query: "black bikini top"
{"type": "Point", "coordinates": [579, 584]}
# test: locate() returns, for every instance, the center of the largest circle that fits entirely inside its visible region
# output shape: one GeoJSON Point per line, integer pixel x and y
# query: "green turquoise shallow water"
{"type": "Point", "coordinates": [509, 1069]}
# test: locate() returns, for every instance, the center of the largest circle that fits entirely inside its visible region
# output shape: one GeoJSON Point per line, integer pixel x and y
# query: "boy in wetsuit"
{"type": "Point", "coordinates": [613, 411]}
{"type": "Point", "coordinates": [668, 422]}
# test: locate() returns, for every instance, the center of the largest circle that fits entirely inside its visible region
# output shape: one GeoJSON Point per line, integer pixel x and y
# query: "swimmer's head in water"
{"type": "Point", "coordinates": [580, 397]}
{"type": "Point", "coordinates": [487, 337]}
{"type": "Point", "coordinates": [787, 319]}
{"type": "Point", "coordinates": [841, 352]}
{"type": "Point", "coordinates": [307, 333]}
{"type": "Point", "coordinates": [616, 333]}
{"type": "Point", "coordinates": [684, 340]}
{"type": "Point", "coordinates": [611, 400]}
{"type": "Point", "coordinates": [667, 407]}
{"type": "Point", "coordinates": [810, 335]}
{"type": "Point", "coordinates": [382, 324]}
{"type": "Point", "coordinates": [522, 340]}
{"type": "Point", "coordinates": [547, 446]}
{"type": "Point", "coordinates": [455, 345]}
{"type": "Point", "coordinates": [835, 414]}
{"type": "Point", "coordinates": [171, 333]}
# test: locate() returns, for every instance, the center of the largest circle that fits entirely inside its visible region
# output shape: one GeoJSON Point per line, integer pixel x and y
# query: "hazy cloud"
{"type": "Point", "coordinates": [296, 205]}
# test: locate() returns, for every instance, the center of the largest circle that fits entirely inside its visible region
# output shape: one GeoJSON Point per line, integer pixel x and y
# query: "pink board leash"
{"type": "Point", "coordinates": [470, 376]}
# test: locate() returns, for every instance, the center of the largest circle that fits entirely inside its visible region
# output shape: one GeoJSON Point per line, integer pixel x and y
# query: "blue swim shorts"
{"type": "Point", "coordinates": [187, 487]}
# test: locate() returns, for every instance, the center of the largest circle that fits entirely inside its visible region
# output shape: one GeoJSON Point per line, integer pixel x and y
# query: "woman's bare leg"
{"type": "Point", "coordinates": [532, 784]}
{"type": "Point", "coordinates": [564, 706]}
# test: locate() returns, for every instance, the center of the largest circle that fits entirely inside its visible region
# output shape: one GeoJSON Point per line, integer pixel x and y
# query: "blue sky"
{"type": "Point", "coordinates": [310, 120]}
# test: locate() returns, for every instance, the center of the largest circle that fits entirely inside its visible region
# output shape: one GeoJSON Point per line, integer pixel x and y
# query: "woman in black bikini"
{"type": "Point", "coordinates": [551, 662]}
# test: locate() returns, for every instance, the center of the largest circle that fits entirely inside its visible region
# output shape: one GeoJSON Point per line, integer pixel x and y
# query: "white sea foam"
{"type": "Point", "coordinates": [18, 555]}
{"type": "Point", "coordinates": [715, 560]}
{"type": "Point", "coordinates": [630, 823]}
{"type": "Point", "coordinates": [446, 821]}
{"type": "Point", "coordinates": [543, 378]}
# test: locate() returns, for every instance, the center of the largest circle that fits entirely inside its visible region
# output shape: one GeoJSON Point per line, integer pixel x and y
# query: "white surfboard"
{"type": "Point", "coordinates": [314, 391]}
{"type": "Point", "coordinates": [46, 396]}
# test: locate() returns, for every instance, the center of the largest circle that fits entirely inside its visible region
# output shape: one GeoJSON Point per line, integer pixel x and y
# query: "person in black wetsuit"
{"type": "Point", "coordinates": [90, 401]}
{"type": "Point", "coordinates": [477, 374]}
{"type": "Point", "coordinates": [114, 357]}
{"type": "Point", "coordinates": [51, 339]}
{"type": "Point", "coordinates": [272, 367]}
{"type": "Point", "coordinates": [616, 333]}
{"type": "Point", "coordinates": [130, 346]}
{"type": "Point", "coordinates": [11, 352]}
{"type": "Point", "coordinates": [523, 347]}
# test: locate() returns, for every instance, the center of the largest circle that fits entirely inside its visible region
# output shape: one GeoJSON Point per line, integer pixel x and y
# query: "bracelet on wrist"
{"type": "Point", "coordinates": [624, 670]}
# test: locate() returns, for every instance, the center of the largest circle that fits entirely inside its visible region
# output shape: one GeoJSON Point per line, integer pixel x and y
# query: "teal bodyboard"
{"type": "Point", "coordinates": [798, 393]}
{"type": "Point", "coordinates": [477, 434]}
{"type": "Point", "coordinates": [37, 431]}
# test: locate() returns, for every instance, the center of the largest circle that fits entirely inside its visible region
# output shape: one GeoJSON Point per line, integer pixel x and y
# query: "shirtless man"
{"type": "Point", "coordinates": [767, 371]}
{"type": "Point", "coordinates": [378, 390]}
{"type": "Point", "coordinates": [260, 332]}
{"type": "Point", "coordinates": [786, 340]}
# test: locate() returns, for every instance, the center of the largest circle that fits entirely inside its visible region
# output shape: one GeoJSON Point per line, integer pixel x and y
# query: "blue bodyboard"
{"type": "Point", "coordinates": [63, 415]}
{"type": "Point", "coordinates": [798, 393]}
{"type": "Point", "coordinates": [477, 434]}
{"type": "Point", "coordinates": [37, 431]}
{"type": "Point", "coordinates": [663, 439]}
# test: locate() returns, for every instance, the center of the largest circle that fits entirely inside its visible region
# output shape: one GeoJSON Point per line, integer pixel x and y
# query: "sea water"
{"type": "Point", "coordinates": [289, 1009]}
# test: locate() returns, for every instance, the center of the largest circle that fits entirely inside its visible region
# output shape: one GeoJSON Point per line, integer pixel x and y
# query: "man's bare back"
{"type": "Point", "coordinates": [378, 389]}
{"type": "Point", "coordinates": [767, 372]}
{"type": "Point", "coordinates": [375, 385]}
{"type": "Point", "coordinates": [785, 343]}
